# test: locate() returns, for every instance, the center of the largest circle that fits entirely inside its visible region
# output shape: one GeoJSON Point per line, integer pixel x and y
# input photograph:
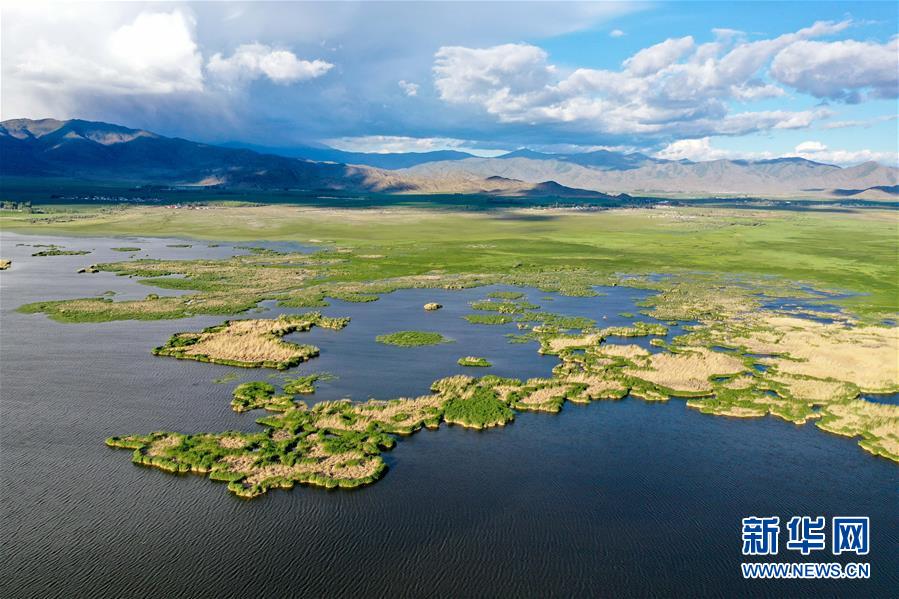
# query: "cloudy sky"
{"type": "Point", "coordinates": [677, 80]}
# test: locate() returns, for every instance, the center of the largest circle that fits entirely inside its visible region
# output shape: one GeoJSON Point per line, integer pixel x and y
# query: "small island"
{"type": "Point", "coordinates": [60, 252]}
{"type": "Point", "coordinates": [506, 295]}
{"type": "Point", "coordinates": [412, 338]}
{"type": "Point", "coordinates": [125, 249]}
{"type": "Point", "coordinates": [251, 343]}
{"type": "Point", "coordinates": [5, 264]}
{"type": "Point", "coordinates": [432, 306]}
{"type": "Point", "coordinates": [474, 361]}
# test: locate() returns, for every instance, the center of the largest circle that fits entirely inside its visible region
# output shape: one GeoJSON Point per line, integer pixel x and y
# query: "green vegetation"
{"type": "Point", "coordinates": [357, 298]}
{"type": "Point", "coordinates": [503, 307]}
{"type": "Point", "coordinates": [412, 338]}
{"type": "Point", "coordinates": [125, 249]}
{"type": "Point", "coordinates": [506, 295]}
{"type": "Point", "coordinates": [568, 254]}
{"type": "Point", "coordinates": [549, 320]}
{"type": "Point", "coordinates": [480, 409]}
{"type": "Point", "coordinates": [179, 245]}
{"type": "Point", "coordinates": [818, 248]}
{"type": "Point", "coordinates": [58, 252]}
{"type": "Point", "coordinates": [253, 395]}
{"type": "Point", "coordinates": [488, 318]}
{"type": "Point", "coordinates": [474, 361]}
{"type": "Point", "coordinates": [303, 385]}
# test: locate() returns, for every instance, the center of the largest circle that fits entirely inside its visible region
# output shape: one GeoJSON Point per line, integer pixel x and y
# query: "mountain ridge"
{"type": "Point", "coordinates": [91, 150]}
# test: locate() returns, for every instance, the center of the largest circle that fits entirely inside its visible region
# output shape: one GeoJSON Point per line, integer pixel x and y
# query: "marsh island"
{"type": "Point", "coordinates": [252, 343]}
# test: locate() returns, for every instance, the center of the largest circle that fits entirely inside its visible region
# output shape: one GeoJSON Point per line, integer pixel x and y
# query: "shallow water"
{"type": "Point", "coordinates": [611, 499]}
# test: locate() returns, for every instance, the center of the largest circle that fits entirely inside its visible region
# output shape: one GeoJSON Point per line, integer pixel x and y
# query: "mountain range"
{"type": "Point", "coordinates": [94, 151]}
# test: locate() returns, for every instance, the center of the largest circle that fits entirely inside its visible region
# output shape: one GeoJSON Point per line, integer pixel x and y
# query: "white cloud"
{"type": "Point", "coordinates": [99, 61]}
{"type": "Point", "coordinates": [860, 123]}
{"type": "Point", "coordinates": [840, 70]}
{"type": "Point", "coordinates": [490, 75]}
{"type": "Point", "coordinates": [616, 33]}
{"type": "Point", "coordinates": [410, 89]}
{"type": "Point", "coordinates": [384, 144]}
{"type": "Point", "coordinates": [252, 61]}
{"type": "Point", "coordinates": [154, 54]}
{"type": "Point", "coordinates": [693, 149]}
{"type": "Point", "coordinates": [655, 58]}
{"type": "Point", "coordinates": [810, 146]}
{"type": "Point", "coordinates": [672, 88]}
{"type": "Point", "coordinates": [817, 151]}
{"type": "Point", "coordinates": [701, 149]}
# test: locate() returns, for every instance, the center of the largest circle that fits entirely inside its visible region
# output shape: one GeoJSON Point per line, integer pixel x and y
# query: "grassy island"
{"type": "Point", "coordinates": [259, 394]}
{"type": "Point", "coordinates": [250, 343]}
{"type": "Point", "coordinates": [412, 338]}
{"type": "Point", "coordinates": [488, 318]}
{"type": "Point", "coordinates": [506, 295]}
{"type": "Point", "coordinates": [60, 252]}
{"type": "Point", "coordinates": [474, 361]}
{"type": "Point", "coordinates": [304, 385]}
{"type": "Point", "coordinates": [125, 249]}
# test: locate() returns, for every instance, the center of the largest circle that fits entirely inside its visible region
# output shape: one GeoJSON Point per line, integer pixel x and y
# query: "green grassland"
{"type": "Point", "coordinates": [851, 251]}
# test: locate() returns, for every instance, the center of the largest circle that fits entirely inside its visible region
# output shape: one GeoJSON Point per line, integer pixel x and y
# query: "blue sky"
{"type": "Point", "coordinates": [699, 80]}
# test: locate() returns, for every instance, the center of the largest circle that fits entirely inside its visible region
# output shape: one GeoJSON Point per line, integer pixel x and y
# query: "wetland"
{"type": "Point", "coordinates": [699, 366]}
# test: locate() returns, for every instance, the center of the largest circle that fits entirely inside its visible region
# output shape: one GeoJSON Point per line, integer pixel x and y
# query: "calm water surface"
{"type": "Point", "coordinates": [611, 499]}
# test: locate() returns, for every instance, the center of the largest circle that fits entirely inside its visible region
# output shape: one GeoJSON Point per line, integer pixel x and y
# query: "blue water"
{"type": "Point", "coordinates": [884, 398]}
{"type": "Point", "coordinates": [611, 499]}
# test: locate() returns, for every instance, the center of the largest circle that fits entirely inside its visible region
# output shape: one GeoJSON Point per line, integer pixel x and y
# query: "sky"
{"type": "Point", "coordinates": [695, 80]}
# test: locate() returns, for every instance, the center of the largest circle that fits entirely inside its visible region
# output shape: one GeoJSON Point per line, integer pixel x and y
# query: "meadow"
{"type": "Point", "coordinates": [848, 251]}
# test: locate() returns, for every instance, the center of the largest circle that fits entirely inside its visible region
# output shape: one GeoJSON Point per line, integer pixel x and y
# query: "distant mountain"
{"type": "Point", "coordinates": [100, 151]}
{"type": "Point", "coordinates": [787, 177]}
{"type": "Point", "coordinates": [103, 152]}
{"type": "Point", "coordinates": [601, 159]}
{"type": "Point", "coordinates": [93, 151]}
{"type": "Point", "coordinates": [388, 161]}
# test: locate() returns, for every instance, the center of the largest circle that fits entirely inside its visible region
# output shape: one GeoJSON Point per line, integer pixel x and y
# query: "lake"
{"type": "Point", "coordinates": [623, 498]}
